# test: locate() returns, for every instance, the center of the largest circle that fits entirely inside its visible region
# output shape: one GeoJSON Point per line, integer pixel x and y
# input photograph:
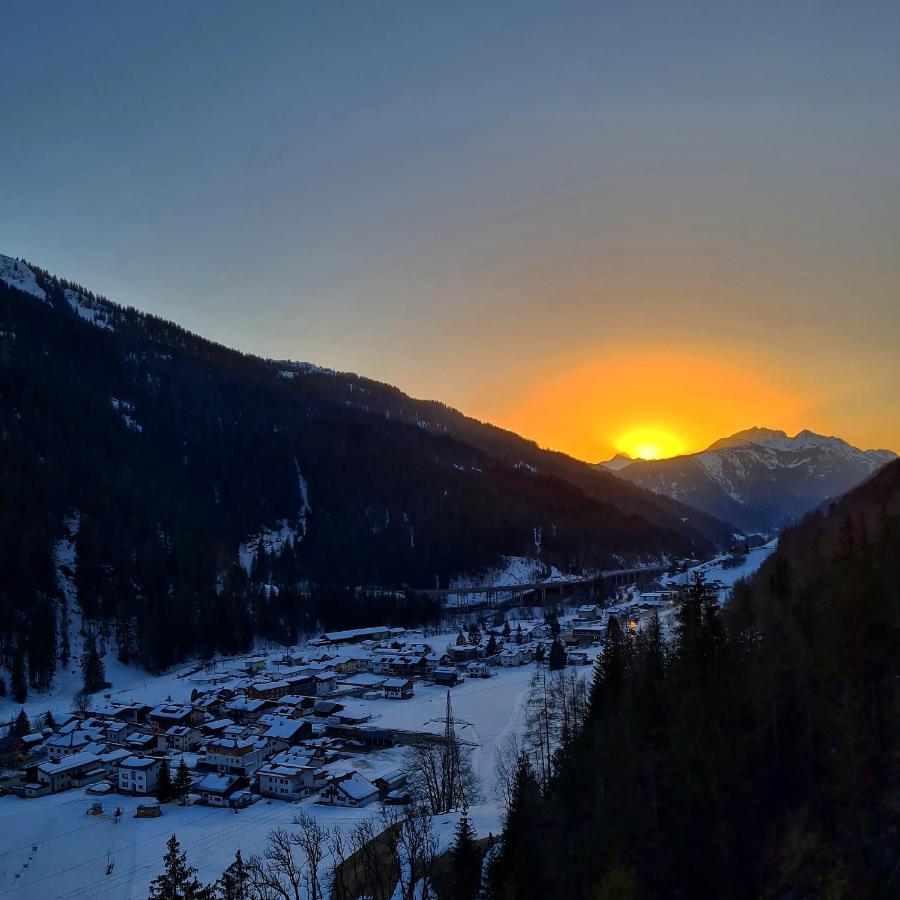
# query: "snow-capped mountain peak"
{"type": "Point", "coordinates": [760, 478]}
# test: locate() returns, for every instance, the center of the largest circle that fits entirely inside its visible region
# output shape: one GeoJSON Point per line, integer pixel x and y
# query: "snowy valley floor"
{"type": "Point", "coordinates": [74, 849]}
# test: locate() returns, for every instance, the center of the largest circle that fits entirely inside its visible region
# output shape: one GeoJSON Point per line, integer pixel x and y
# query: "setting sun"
{"type": "Point", "coordinates": [650, 443]}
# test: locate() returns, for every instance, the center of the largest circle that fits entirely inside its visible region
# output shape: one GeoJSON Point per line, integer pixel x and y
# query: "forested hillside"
{"type": "Point", "coordinates": [755, 756]}
{"type": "Point", "coordinates": [185, 496]}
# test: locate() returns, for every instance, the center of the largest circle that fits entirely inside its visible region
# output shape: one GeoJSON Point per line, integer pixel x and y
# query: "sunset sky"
{"type": "Point", "coordinates": [604, 232]}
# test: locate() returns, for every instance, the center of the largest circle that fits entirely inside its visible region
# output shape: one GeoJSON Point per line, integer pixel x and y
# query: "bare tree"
{"type": "Point", "coordinates": [338, 854]}
{"type": "Point", "coordinates": [370, 870]}
{"type": "Point", "coordinates": [414, 847]}
{"type": "Point", "coordinates": [441, 773]}
{"type": "Point", "coordinates": [556, 712]}
{"type": "Point", "coordinates": [277, 873]}
{"type": "Point", "coordinates": [81, 702]}
{"type": "Point", "coordinates": [506, 759]}
{"type": "Point", "coordinates": [312, 840]}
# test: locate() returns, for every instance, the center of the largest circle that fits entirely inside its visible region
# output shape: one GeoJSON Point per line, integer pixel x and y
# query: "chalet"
{"type": "Point", "coordinates": [589, 612]}
{"type": "Point", "coordinates": [352, 663]}
{"type": "Point", "coordinates": [478, 670]}
{"type": "Point", "coordinates": [133, 712]}
{"type": "Point", "coordinates": [115, 731]}
{"type": "Point", "coordinates": [577, 658]}
{"type": "Point", "coordinates": [288, 781]}
{"type": "Point", "coordinates": [350, 714]}
{"type": "Point", "coordinates": [325, 708]}
{"type": "Point", "coordinates": [355, 635]}
{"type": "Point", "coordinates": [390, 781]}
{"type": "Point", "coordinates": [351, 789]}
{"type": "Point", "coordinates": [364, 681]}
{"type": "Point", "coordinates": [588, 633]}
{"type": "Point", "coordinates": [268, 690]}
{"type": "Point", "coordinates": [325, 682]}
{"type": "Point", "coordinates": [236, 757]}
{"type": "Point", "coordinates": [462, 653]}
{"type": "Point", "coordinates": [75, 770]}
{"type": "Point", "coordinates": [137, 774]}
{"type": "Point", "coordinates": [167, 714]}
{"type": "Point", "coordinates": [445, 675]}
{"type": "Point", "coordinates": [183, 738]}
{"type": "Point", "coordinates": [141, 741]}
{"type": "Point", "coordinates": [216, 727]}
{"type": "Point", "coordinates": [515, 656]}
{"type": "Point", "coordinates": [78, 740]}
{"type": "Point", "coordinates": [222, 790]}
{"type": "Point", "coordinates": [247, 709]}
{"type": "Point", "coordinates": [398, 689]}
{"type": "Point", "coordinates": [282, 733]}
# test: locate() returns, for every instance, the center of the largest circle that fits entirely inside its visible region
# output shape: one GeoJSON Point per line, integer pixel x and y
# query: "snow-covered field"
{"type": "Point", "coordinates": [715, 571]}
{"type": "Point", "coordinates": [73, 849]}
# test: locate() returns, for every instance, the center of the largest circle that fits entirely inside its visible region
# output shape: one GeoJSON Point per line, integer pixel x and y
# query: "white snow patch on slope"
{"type": "Point", "coordinates": [275, 539]}
{"type": "Point", "coordinates": [90, 310]}
{"type": "Point", "coordinates": [16, 274]}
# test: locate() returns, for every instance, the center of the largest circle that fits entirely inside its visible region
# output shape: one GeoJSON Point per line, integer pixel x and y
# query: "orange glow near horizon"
{"type": "Point", "coordinates": [655, 404]}
{"type": "Point", "coordinates": [650, 443]}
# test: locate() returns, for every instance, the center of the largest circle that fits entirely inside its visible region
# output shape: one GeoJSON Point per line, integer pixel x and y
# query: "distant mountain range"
{"type": "Point", "coordinates": [151, 477]}
{"type": "Point", "coordinates": [760, 479]}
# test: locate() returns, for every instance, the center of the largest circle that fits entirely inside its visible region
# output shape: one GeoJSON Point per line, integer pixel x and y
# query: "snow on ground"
{"type": "Point", "coordinates": [74, 849]}
{"type": "Point", "coordinates": [714, 570]}
{"type": "Point", "coordinates": [90, 310]}
{"type": "Point", "coordinates": [17, 275]}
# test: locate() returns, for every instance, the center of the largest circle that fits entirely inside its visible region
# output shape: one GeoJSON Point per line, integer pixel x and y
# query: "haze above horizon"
{"type": "Point", "coordinates": [642, 231]}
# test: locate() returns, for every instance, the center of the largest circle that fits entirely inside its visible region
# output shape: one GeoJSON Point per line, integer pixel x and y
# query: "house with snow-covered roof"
{"type": "Point", "coordinates": [350, 789]}
{"type": "Point", "coordinates": [166, 714]}
{"type": "Point", "coordinates": [138, 774]}
{"type": "Point", "coordinates": [235, 756]}
{"type": "Point", "coordinates": [398, 688]}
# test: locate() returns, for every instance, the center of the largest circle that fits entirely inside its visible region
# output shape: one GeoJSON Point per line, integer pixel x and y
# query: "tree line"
{"type": "Point", "coordinates": [753, 755]}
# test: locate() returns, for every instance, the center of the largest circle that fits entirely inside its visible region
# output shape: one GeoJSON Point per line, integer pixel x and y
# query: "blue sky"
{"type": "Point", "coordinates": [466, 199]}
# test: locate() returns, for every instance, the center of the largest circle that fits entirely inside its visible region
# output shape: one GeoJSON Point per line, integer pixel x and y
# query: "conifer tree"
{"type": "Point", "coordinates": [17, 680]}
{"type": "Point", "coordinates": [178, 880]}
{"type": "Point", "coordinates": [234, 883]}
{"type": "Point", "coordinates": [164, 783]}
{"type": "Point", "coordinates": [21, 726]}
{"type": "Point", "coordinates": [557, 657]}
{"type": "Point", "coordinates": [181, 784]}
{"type": "Point", "coordinates": [92, 670]}
{"type": "Point", "coordinates": [465, 861]}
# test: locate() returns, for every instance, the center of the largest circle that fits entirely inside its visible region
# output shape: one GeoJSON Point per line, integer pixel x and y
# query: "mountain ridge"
{"type": "Point", "coordinates": [760, 478]}
{"type": "Point", "coordinates": [237, 495]}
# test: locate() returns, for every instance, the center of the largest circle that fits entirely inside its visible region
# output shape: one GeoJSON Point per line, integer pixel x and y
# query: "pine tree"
{"type": "Point", "coordinates": [181, 785]}
{"type": "Point", "coordinates": [465, 861]}
{"type": "Point", "coordinates": [49, 721]}
{"type": "Point", "coordinates": [179, 880]}
{"type": "Point", "coordinates": [21, 726]}
{"type": "Point", "coordinates": [557, 657]}
{"type": "Point", "coordinates": [233, 885]}
{"type": "Point", "coordinates": [491, 649]}
{"type": "Point", "coordinates": [17, 679]}
{"type": "Point", "coordinates": [92, 669]}
{"type": "Point", "coordinates": [518, 871]}
{"type": "Point", "coordinates": [2, 687]}
{"type": "Point", "coordinates": [164, 783]}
